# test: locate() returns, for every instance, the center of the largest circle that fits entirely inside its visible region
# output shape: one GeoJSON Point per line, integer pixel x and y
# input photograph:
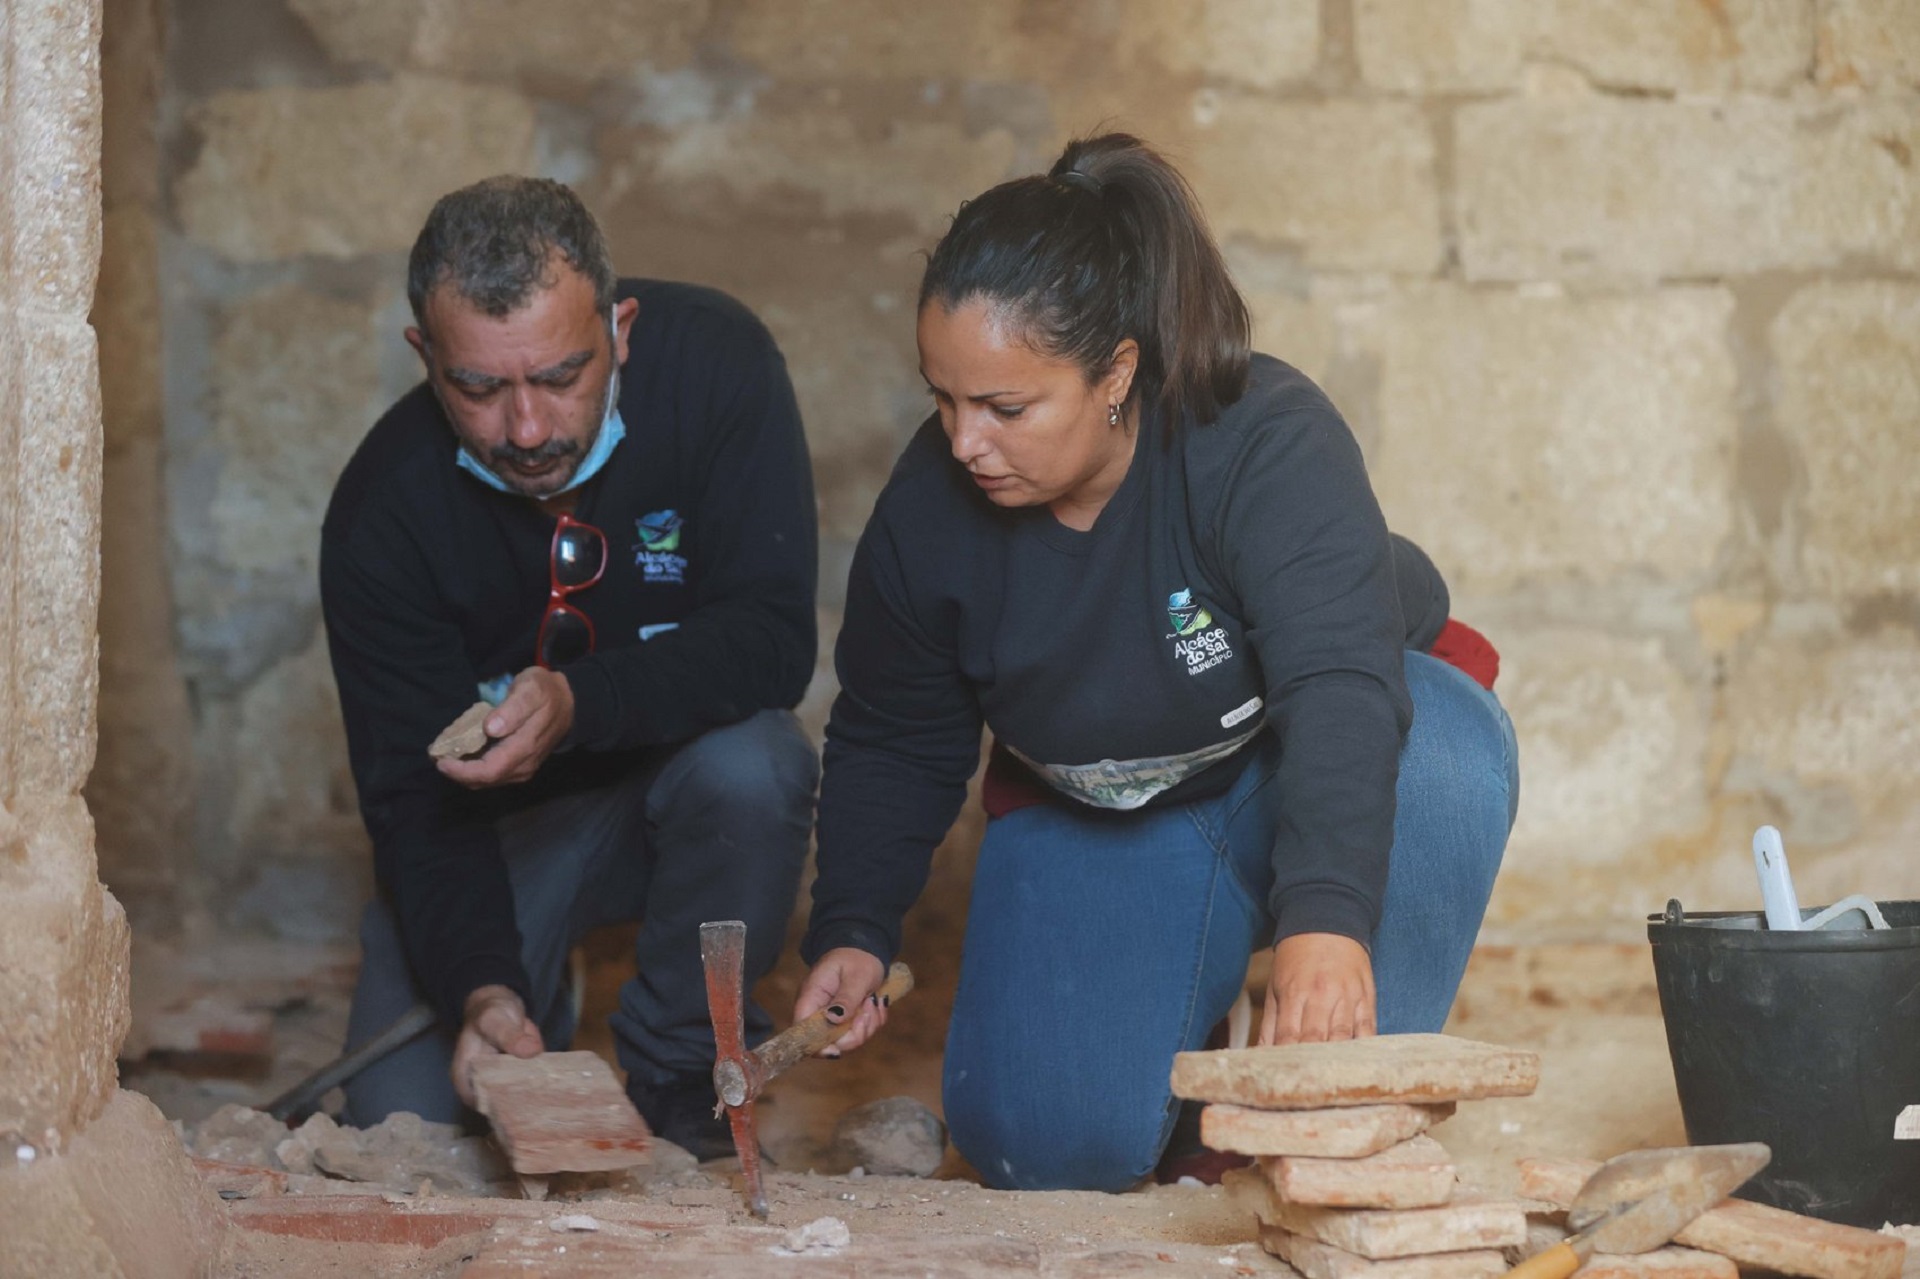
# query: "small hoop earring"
{"type": "Point", "coordinates": [1113, 415]}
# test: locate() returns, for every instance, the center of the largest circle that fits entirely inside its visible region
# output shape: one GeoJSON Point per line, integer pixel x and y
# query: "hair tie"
{"type": "Point", "coordinates": [1081, 181]}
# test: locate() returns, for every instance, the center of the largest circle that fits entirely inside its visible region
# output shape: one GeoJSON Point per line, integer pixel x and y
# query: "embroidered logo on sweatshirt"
{"type": "Point", "coordinates": [660, 530]}
{"type": "Point", "coordinates": [656, 553]}
{"type": "Point", "coordinates": [1197, 641]}
{"type": "Point", "coordinates": [1186, 615]}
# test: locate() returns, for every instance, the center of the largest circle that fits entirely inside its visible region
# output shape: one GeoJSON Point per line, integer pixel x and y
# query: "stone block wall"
{"type": "Point", "coordinates": [1620, 297]}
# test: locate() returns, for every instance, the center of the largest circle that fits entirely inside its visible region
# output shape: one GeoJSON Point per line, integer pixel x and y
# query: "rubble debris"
{"type": "Point", "coordinates": [238, 1135]}
{"type": "Point", "coordinates": [466, 736]}
{"type": "Point", "coordinates": [559, 1112]}
{"type": "Point", "coordinates": [397, 1153]}
{"type": "Point", "coordinates": [892, 1137]}
{"type": "Point", "coordinates": [821, 1237]}
{"type": "Point", "coordinates": [295, 1153]}
{"type": "Point", "coordinates": [403, 1149]}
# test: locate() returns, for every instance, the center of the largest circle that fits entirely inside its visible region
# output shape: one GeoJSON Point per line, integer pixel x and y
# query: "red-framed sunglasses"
{"type": "Point", "coordinates": [577, 559]}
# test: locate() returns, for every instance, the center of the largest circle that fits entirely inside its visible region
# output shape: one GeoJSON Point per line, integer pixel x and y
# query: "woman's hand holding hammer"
{"type": "Point", "coordinates": [844, 979]}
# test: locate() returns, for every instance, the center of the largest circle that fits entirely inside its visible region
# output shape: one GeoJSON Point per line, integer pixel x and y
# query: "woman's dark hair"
{"type": "Point", "coordinates": [1109, 245]}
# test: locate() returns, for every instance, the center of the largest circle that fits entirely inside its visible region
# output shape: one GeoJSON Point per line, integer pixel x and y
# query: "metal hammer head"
{"type": "Point", "coordinates": [736, 1082]}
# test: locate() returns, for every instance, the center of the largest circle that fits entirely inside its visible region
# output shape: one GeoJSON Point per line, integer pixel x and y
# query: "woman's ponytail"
{"type": "Point", "coordinates": [1110, 245]}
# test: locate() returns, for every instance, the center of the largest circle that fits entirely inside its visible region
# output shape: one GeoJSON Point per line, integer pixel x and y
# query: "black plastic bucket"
{"type": "Point", "coordinates": [1809, 1042]}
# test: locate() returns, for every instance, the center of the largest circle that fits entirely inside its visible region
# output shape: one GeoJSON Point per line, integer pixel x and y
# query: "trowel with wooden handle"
{"type": "Point", "coordinates": [1638, 1201]}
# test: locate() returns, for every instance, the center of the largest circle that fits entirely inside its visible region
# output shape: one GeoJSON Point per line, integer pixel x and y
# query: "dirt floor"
{"type": "Point", "coordinates": [1589, 1010]}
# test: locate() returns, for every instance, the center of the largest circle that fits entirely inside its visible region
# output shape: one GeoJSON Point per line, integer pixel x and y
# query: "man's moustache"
{"type": "Point", "coordinates": [516, 456]}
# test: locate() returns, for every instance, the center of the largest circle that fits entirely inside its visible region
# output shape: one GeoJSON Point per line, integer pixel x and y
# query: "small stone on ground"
{"type": "Point", "coordinates": [892, 1137]}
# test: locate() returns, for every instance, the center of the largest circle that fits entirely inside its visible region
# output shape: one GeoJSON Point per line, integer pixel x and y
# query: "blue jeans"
{"type": "Point", "coordinates": [1100, 944]}
{"type": "Point", "coordinates": [713, 828]}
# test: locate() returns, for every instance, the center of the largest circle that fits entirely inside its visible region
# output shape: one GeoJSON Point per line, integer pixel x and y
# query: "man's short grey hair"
{"type": "Point", "coordinates": [495, 243]}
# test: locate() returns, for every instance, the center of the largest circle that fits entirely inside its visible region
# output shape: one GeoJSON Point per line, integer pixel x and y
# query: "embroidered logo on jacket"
{"type": "Point", "coordinates": [655, 554]}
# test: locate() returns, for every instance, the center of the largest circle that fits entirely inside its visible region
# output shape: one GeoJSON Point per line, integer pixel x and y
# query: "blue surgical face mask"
{"type": "Point", "coordinates": [612, 431]}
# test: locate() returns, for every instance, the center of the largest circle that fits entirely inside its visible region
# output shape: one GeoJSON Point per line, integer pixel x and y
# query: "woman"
{"type": "Point", "coordinates": [1151, 562]}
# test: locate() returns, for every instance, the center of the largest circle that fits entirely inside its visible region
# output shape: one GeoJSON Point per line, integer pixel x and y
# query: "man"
{"type": "Point", "coordinates": [597, 513]}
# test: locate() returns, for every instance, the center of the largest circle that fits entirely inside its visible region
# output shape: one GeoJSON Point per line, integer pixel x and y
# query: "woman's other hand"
{"type": "Point", "coordinates": [1321, 989]}
{"type": "Point", "coordinates": [844, 980]}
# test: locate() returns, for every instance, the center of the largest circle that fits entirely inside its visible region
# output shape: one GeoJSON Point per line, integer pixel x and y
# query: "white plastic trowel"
{"type": "Point", "coordinates": [1782, 905]}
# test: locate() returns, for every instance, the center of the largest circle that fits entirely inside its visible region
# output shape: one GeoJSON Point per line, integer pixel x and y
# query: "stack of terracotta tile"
{"type": "Point", "coordinates": [1347, 1184]}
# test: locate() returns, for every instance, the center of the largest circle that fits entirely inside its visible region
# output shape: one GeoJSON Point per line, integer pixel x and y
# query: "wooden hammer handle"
{"type": "Point", "coordinates": [805, 1038]}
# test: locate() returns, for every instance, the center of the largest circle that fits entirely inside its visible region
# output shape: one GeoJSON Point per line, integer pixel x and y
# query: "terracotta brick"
{"type": "Point", "coordinates": [1555, 1181]}
{"type": "Point", "coordinates": [1386, 1068]}
{"type": "Point", "coordinates": [206, 1026]}
{"type": "Point", "coordinates": [560, 1112]}
{"type": "Point", "coordinates": [1342, 1132]}
{"type": "Point", "coordinates": [240, 1181]}
{"type": "Point", "coordinates": [1417, 1173]}
{"type": "Point", "coordinates": [1317, 1260]}
{"type": "Point", "coordinates": [1661, 1263]}
{"type": "Point", "coordinates": [1749, 1233]}
{"type": "Point", "coordinates": [1471, 1221]}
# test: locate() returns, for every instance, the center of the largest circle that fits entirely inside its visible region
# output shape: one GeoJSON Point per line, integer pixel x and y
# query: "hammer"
{"type": "Point", "coordinates": [739, 1075]}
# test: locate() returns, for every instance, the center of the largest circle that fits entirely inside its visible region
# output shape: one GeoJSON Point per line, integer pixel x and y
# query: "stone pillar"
{"type": "Point", "coordinates": [63, 963]}
{"type": "Point", "coordinates": [76, 1196]}
{"type": "Point", "coordinates": [141, 790]}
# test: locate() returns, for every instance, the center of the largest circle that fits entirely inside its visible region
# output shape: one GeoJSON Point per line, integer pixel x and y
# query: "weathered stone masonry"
{"type": "Point", "coordinates": [1621, 298]}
